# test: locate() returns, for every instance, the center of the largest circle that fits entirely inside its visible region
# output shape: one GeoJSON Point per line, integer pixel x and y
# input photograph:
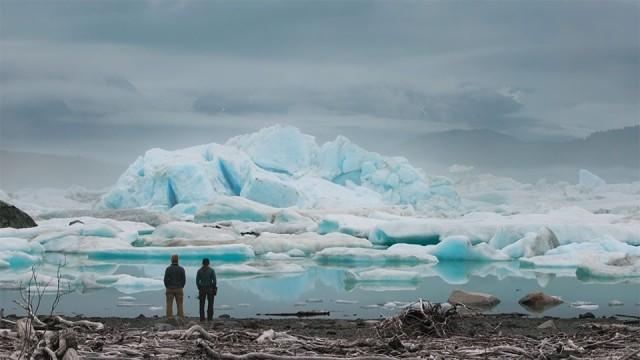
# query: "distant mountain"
{"type": "Point", "coordinates": [23, 169]}
{"type": "Point", "coordinates": [491, 150]}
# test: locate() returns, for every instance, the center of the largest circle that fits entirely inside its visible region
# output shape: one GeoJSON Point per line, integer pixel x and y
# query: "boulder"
{"type": "Point", "coordinates": [473, 300]}
{"type": "Point", "coordinates": [545, 240]}
{"type": "Point", "coordinates": [539, 302]}
{"type": "Point", "coordinates": [11, 216]}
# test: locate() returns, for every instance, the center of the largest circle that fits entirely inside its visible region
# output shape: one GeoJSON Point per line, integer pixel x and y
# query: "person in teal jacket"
{"type": "Point", "coordinates": [207, 288]}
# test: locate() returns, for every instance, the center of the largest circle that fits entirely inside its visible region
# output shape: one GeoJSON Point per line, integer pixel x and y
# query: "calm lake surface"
{"type": "Point", "coordinates": [328, 288]}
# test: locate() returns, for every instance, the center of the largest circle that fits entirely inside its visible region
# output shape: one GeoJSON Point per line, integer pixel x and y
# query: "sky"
{"type": "Point", "coordinates": [110, 79]}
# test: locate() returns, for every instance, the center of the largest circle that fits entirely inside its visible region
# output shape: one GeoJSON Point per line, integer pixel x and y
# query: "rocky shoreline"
{"type": "Point", "coordinates": [468, 337]}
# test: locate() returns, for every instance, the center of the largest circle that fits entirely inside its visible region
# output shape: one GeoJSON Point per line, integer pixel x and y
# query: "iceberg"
{"type": "Point", "coordinates": [179, 233]}
{"type": "Point", "coordinates": [589, 180]}
{"type": "Point", "coordinates": [276, 166]}
{"type": "Point", "coordinates": [395, 254]}
{"type": "Point", "coordinates": [229, 253]}
{"type": "Point", "coordinates": [532, 244]}
{"type": "Point", "coordinates": [18, 259]}
{"type": "Point", "coordinates": [459, 248]}
{"type": "Point", "coordinates": [626, 266]}
{"type": "Point", "coordinates": [128, 284]}
{"type": "Point", "coordinates": [308, 243]}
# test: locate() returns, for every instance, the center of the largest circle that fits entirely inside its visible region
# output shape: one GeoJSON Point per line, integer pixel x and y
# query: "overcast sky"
{"type": "Point", "coordinates": [109, 79]}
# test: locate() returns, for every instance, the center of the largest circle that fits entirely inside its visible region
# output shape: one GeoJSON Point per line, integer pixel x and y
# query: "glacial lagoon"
{"type": "Point", "coordinates": [312, 286]}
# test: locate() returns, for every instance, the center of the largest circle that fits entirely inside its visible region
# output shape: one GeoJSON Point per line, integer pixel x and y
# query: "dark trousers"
{"type": "Point", "coordinates": [208, 296]}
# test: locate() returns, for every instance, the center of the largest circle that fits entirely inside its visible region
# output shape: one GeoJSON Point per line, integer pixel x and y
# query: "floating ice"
{"type": "Point", "coordinates": [130, 284]}
{"type": "Point", "coordinates": [584, 305]}
{"type": "Point", "coordinates": [395, 254]}
{"type": "Point", "coordinates": [307, 242]}
{"type": "Point", "coordinates": [624, 266]}
{"type": "Point", "coordinates": [532, 244]}
{"type": "Point", "coordinates": [234, 208]}
{"type": "Point", "coordinates": [589, 180]}
{"type": "Point", "coordinates": [185, 233]}
{"type": "Point", "coordinates": [460, 248]}
{"type": "Point", "coordinates": [17, 259]}
{"type": "Point", "coordinates": [348, 224]}
{"type": "Point", "coordinates": [231, 252]}
{"type": "Point", "coordinates": [348, 302]}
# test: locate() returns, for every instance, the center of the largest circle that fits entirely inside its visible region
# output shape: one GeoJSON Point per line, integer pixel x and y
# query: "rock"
{"type": "Point", "coordinates": [586, 315]}
{"type": "Point", "coordinates": [539, 302]}
{"type": "Point", "coordinates": [549, 324]}
{"type": "Point", "coordinates": [545, 240]}
{"type": "Point", "coordinates": [225, 316]}
{"type": "Point", "coordinates": [616, 303]}
{"type": "Point", "coordinates": [11, 216]}
{"type": "Point", "coordinates": [473, 300]}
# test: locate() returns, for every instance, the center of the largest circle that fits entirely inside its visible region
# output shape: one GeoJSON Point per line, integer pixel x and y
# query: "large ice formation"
{"type": "Point", "coordinates": [276, 166]}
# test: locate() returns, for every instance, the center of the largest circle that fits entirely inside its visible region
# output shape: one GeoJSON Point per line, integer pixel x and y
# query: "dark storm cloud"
{"type": "Point", "coordinates": [136, 74]}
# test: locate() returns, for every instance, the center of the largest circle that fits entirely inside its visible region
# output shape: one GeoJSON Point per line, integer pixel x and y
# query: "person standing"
{"type": "Point", "coordinates": [174, 281]}
{"type": "Point", "coordinates": [207, 288]}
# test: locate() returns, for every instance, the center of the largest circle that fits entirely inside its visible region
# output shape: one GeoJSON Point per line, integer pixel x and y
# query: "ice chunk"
{"type": "Point", "coordinates": [83, 244]}
{"type": "Point", "coordinates": [185, 233]}
{"type": "Point", "coordinates": [617, 267]}
{"type": "Point", "coordinates": [348, 224]}
{"type": "Point", "coordinates": [128, 284]}
{"type": "Point", "coordinates": [430, 231]}
{"type": "Point", "coordinates": [276, 256]}
{"type": "Point", "coordinates": [533, 244]}
{"type": "Point", "coordinates": [234, 208]}
{"type": "Point", "coordinates": [18, 259]}
{"type": "Point", "coordinates": [19, 244]}
{"type": "Point", "coordinates": [460, 248]}
{"type": "Point", "coordinates": [584, 305]}
{"type": "Point", "coordinates": [230, 252]}
{"type": "Point", "coordinates": [399, 253]}
{"type": "Point", "coordinates": [598, 251]}
{"type": "Point", "coordinates": [589, 180]}
{"type": "Point", "coordinates": [307, 242]}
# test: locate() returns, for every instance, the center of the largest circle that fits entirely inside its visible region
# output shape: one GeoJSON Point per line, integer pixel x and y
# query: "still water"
{"type": "Point", "coordinates": [324, 288]}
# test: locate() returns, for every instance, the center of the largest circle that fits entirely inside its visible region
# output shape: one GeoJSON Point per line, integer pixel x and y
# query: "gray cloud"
{"type": "Point", "coordinates": [111, 78]}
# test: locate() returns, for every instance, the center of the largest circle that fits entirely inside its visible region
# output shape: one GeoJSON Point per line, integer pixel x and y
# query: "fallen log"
{"type": "Point", "coordinates": [299, 314]}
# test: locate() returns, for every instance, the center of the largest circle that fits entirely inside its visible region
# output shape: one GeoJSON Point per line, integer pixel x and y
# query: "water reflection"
{"type": "Point", "coordinates": [97, 286]}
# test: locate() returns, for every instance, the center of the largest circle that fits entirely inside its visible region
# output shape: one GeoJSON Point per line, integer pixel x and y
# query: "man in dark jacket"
{"type": "Point", "coordinates": [207, 288]}
{"type": "Point", "coordinates": [174, 280]}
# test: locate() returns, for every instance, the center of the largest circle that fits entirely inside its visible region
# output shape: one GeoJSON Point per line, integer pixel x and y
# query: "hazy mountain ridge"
{"type": "Point", "coordinates": [24, 169]}
{"type": "Point", "coordinates": [618, 147]}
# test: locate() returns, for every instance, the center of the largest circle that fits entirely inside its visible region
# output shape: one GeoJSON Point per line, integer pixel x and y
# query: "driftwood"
{"type": "Point", "coordinates": [299, 314]}
{"type": "Point", "coordinates": [422, 330]}
{"type": "Point", "coordinates": [421, 318]}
